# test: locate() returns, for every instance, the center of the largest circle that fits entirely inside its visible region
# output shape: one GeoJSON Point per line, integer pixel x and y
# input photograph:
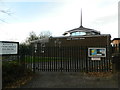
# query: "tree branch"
{"type": "Point", "coordinates": [6, 12]}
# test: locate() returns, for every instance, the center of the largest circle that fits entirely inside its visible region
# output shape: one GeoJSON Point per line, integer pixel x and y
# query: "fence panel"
{"type": "Point", "coordinates": [66, 59]}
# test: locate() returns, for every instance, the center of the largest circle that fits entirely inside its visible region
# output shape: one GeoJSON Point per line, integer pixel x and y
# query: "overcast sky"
{"type": "Point", "coordinates": [56, 16]}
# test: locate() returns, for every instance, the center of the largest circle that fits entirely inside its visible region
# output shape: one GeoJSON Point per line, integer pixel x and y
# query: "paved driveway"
{"type": "Point", "coordinates": [69, 80]}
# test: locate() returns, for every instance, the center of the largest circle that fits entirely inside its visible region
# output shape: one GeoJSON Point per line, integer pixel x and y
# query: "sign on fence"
{"type": "Point", "coordinates": [8, 48]}
{"type": "Point", "coordinates": [95, 58]}
{"type": "Point", "coordinates": [97, 52]}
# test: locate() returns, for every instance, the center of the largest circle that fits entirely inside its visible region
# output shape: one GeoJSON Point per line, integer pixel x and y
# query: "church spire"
{"type": "Point", "coordinates": [81, 18]}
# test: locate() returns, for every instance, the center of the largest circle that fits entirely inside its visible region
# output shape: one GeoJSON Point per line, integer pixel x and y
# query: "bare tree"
{"type": "Point", "coordinates": [5, 12]}
{"type": "Point", "coordinates": [45, 34]}
{"type": "Point", "coordinates": [32, 36]}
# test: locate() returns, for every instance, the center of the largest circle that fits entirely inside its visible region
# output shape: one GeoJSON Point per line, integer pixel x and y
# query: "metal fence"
{"type": "Point", "coordinates": [8, 58]}
{"type": "Point", "coordinates": [65, 59]}
{"type": "Point", "coordinates": [116, 48]}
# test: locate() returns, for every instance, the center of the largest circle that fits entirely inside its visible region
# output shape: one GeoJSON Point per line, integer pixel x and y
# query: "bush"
{"type": "Point", "coordinates": [11, 72]}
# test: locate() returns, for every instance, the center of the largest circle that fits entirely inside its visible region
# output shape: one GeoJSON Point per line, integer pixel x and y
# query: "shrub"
{"type": "Point", "coordinates": [11, 72]}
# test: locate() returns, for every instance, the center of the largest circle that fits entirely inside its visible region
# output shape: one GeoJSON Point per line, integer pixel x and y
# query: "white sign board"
{"type": "Point", "coordinates": [8, 48]}
{"type": "Point", "coordinates": [95, 58]}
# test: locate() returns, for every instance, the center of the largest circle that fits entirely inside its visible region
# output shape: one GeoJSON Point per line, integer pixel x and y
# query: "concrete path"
{"type": "Point", "coordinates": [69, 80]}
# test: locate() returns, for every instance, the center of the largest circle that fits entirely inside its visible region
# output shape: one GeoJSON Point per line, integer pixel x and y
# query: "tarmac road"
{"type": "Point", "coordinates": [70, 80]}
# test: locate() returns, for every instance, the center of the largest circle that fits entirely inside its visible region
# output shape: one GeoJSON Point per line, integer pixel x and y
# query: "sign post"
{"type": "Point", "coordinates": [7, 48]}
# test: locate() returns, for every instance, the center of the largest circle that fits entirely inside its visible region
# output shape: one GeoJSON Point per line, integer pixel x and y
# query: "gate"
{"type": "Point", "coordinates": [61, 59]}
{"type": "Point", "coordinates": [65, 59]}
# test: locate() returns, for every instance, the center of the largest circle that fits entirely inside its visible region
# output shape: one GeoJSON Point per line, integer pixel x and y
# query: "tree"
{"type": "Point", "coordinates": [25, 49]}
{"type": "Point", "coordinates": [32, 36]}
{"type": "Point", "coordinates": [45, 34]}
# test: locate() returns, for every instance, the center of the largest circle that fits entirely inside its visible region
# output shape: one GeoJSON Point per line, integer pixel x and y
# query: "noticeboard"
{"type": "Point", "coordinates": [8, 48]}
{"type": "Point", "coordinates": [97, 52]}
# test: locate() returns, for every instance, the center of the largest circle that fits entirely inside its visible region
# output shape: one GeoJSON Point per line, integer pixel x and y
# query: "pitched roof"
{"type": "Point", "coordinates": [82, 29]}
{"type": "Point", "coordinates": [116, 39]}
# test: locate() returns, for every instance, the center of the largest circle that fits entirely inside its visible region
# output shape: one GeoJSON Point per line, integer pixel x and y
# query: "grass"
{"type": "Point", "coordinates": [29, 59]}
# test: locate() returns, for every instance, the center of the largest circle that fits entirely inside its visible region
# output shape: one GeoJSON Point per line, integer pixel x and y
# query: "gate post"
{"type": "Point", "coordinates": [34, 62]}
{"type": "Point", "coordinates": [22, 56]}
{"type": "Point", "coordinates": [86, 60]}
{"type": "Point", "coordinates": [116, 62]}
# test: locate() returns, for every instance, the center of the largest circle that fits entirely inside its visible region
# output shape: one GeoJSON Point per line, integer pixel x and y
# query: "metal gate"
{"type": "Point", "coordinates": [65, 59]}
{"type": "Point", "coordinates": [61, 59]}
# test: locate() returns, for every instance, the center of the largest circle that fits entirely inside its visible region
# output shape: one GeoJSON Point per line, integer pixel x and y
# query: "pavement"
{"type": "Point", "coordinates": [70, 80]}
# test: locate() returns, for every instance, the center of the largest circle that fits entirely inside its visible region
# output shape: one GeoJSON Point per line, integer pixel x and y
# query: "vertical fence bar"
{"type": "Point", "coordinates": [43, 59]}
{"type": "Point", "coordinates": [48, 58]}
{"type": "Point", "coordinates": [57, 61]}
{"type": "Point", "coordinates": [54, 59]}
{"type": "Point", "coordinates": [60, 56]}
{"type": "Point", "coordinates": [79, 60]}
{"type": "Point", "coordinates": [107, 64]}
{"type": "Point", "coordinates": [96, 62]}
{"type": "Point", "coordinates": [39, 55]}
{"type": "Point", "coordinates": [89, 64]}
{"type": "Point", "coordinates": [102, 64]}
{"type": "Point", "coordinates": [71, 59]}
{"type": "Point", "coordinates": [98, 68]}
{"type": "Point", "coordinates": [68, 57]}
{"type": "Point", "coordinates": [34, 62]}
{"type": "Point", "coordinates": [51, 53]}
{"type": "Point", "coordinates": [75, 52]}
{"type": "Point", "coordinates": [30, 61]}
{"type": "Point", "coordinates": [86, 57]}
